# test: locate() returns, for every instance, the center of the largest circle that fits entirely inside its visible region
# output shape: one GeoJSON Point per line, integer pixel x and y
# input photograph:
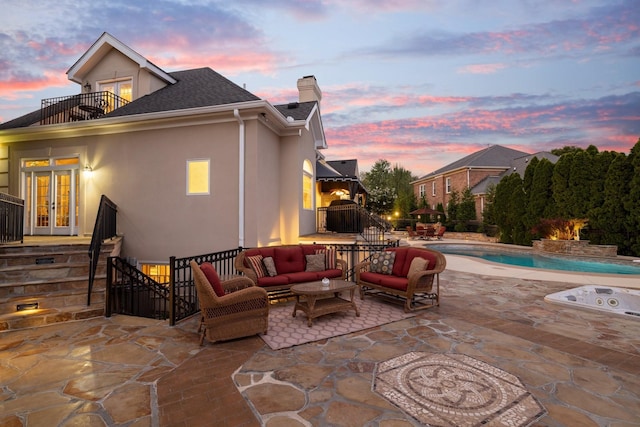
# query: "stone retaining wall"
{"type": "Point", "coordinates": [575, 247]}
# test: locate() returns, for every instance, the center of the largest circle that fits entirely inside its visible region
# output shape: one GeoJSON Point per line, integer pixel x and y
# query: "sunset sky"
{"type": "Point", "coordinates": [420, 83]}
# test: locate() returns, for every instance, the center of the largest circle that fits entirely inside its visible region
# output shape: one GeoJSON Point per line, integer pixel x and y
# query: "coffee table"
{"type": "Point", "coordinates": [320, 299]}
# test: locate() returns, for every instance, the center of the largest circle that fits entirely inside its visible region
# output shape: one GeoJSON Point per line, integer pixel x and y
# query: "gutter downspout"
{"type": "Point", "coordinates": [241, 163]}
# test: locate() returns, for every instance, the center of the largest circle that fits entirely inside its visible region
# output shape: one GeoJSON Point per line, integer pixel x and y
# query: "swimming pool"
{"type": "Point", "coordinates": [536, 260]}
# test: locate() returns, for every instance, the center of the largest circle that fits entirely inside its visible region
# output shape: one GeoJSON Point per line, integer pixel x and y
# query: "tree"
{"type": "Point", "coordinates": [379, 183]}
{"type": "Point", "coordinates": [509, 210]}
{"type": "Point", "coordinates": [608, 222]}
{"type": "Point", "coordinates": [540, 196]}
{"type": "Point", "coordinates": [452, 207]}
{"type": "Point", "coordinates": [466, 210]}
{"type": "Point", "coordinates": [632, 201]}
{"type": "Point", "coordinates": [406, 200]}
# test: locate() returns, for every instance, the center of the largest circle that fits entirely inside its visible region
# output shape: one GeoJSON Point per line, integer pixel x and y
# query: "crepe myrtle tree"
{"type": "Point", "coordinates": [380, 200]}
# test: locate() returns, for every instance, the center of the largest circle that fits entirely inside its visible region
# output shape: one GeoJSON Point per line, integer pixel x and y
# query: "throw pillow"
{"type": "Point", "coordinates": [270, 266]}
{"type": "Point", "coordinates": [212, 276]}
{"type": "Point", "coordinates": [417, 264]}
{"type": "Point", "coordinates": [258, 266]}
{"type": "Point", "coordinates": [382, 262]}
{"type": "Point", "coordinates": [315, 262]}
{"type": "Point", "coordinates": [330, 261]}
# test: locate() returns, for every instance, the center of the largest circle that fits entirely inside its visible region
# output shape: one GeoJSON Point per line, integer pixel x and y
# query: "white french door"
{"type": "Point", "coordinates": [51, 198]}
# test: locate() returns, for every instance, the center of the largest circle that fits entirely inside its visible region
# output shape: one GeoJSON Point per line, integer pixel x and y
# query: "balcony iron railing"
{"type": "Point", "coordinates": [84, 106]}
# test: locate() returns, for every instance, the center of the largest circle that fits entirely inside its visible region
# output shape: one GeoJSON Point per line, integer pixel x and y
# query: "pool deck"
{"type": "Point", "coordinates": [582, 366]}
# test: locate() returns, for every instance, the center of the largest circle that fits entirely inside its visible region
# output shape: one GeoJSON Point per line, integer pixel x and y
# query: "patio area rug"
{"type": "Point", "coordinates": [287, 331]}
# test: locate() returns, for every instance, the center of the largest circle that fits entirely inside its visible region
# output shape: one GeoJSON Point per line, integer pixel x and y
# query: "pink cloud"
{"type": "Point", "coordinates": [12, 88]}
{"type": "Point", "coordinates": [481, 68]}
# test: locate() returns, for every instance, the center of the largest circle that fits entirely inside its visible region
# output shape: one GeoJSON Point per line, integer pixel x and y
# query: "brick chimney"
{"type": "Point", "coordinates": [309, 90]}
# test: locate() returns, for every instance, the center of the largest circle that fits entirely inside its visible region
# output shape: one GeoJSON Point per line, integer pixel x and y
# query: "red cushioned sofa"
{"type": "Point", "coordinates": [394, 272]}
{"type": "Point", "coordinates": [291, 265]}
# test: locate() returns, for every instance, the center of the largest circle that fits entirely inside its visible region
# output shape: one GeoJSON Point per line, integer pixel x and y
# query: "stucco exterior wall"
{"type": "Point", "coordinates": [145, 175]}
{"type": "Point", "coordinates": [143, 81]}
{"type": "Point", "coordinates": [263, 193]}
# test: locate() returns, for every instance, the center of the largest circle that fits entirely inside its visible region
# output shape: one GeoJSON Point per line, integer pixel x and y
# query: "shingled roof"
{"type": "Point", "coordinates": [296, 110]}
{"type": "Point", "coordinates": [495, 156]}
{"type": "Point", "coordinates": [201, 87]}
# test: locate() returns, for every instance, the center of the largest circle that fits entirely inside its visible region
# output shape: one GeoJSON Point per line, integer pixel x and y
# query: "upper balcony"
{"type": "Point", "coordinates": [85, 106]}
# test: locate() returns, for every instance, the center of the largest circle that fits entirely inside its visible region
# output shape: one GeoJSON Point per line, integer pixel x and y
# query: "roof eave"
{"type": "Point", "coordinates": [100, 48]}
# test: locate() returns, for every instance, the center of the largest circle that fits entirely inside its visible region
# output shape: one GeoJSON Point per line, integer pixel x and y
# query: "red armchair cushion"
{"type": "Point", "coordinates": [212, 276]}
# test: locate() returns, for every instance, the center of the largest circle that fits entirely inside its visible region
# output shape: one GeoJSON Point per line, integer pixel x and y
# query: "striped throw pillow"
{"type": "Point", "coordinates": [258, 266]}
{"type": "Point", "coordinates": [330, 258]}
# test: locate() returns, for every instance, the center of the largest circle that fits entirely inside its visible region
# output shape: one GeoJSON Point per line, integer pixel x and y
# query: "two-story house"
{"type": "Point", "coordinates": [475, 171]}
{"type": "Point", "coordinates": [194, 162]}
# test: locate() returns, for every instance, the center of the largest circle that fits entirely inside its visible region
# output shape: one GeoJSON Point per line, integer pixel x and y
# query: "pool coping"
{"type": "Point", "coordinates": [480, 266]}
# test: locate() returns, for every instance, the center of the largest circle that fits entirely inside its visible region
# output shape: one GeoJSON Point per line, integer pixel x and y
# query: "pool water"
{"type": "Point", "coordinates": [535, 260]}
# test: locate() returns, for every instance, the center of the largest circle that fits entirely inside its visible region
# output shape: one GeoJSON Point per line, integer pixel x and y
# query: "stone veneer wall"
{"type": "Point", "coordinates": [479, 237]}
{"type": "Point", "coordinates": [575, 247]}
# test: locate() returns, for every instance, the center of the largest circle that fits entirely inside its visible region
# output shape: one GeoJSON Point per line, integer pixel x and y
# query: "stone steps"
{"type": "Point", "coordinates": [56, 276]}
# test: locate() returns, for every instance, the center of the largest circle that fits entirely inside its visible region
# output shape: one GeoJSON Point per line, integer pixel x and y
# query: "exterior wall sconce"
{"type": "Point", "coordinates": [87, 170]}
{"type": "Point", "coordinates": [87, 87]}
{"type": "Point", "coordinates": [27, 306]}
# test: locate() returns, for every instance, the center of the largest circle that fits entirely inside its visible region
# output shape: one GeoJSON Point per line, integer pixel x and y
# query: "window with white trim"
{"type": "Point", "coordinates": [421, 191]}
{"type": "Point", "coordinates": [307, 185]}
{"type": "Point", "coordinates": [448, 185]}
{"type": "Point", "coordinates": [433, 188]}
{"type": "Point", "coordinates": [198, 177]}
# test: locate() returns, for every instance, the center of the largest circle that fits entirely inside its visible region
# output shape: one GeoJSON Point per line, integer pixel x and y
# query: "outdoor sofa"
{"type": "Point", "coordinates": [408, 273]}
{"type": "Point", "coordinates": [279, 267]}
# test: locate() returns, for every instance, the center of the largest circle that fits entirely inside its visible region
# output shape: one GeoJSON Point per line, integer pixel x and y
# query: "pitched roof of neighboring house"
{"type": "Point", "coordinates": [495, 156]}
{"type": "Point", "coordinates": [518, 165]}
{"type": "Point", "coordinates": [201, 87]}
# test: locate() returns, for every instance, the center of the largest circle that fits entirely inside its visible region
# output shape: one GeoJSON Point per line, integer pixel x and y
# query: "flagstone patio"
{"type": "Point", "coordinates": [582, 366]}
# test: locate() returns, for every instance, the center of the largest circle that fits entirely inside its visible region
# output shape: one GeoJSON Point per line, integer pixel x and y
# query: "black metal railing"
{"type": "Point", "coordinates": [129, 291]}
{"type": "Point", "coordinates": [11, 218]}
{"type": "Point", "coordinates": [182, 287]}
{"type": "Point", "coordinates": [104, 228]}
{"type": "Point", "coordinates": [183, 293]}
{"type": "Point", "coordinates": [84, 106]}
{"type": "Point", "coordinates": [352, 218]}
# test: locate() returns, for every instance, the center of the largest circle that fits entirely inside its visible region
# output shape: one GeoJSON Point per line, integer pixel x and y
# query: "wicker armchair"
{"type": "Point", "coordinates": [419, 289]}
{"type": "Point", "coordinates": [241, 312]}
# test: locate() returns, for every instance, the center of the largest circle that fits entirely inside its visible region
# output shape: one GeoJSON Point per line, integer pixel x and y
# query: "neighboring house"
{"type": "Point", "coordinates": [339, 179]}
{"type": "Point", "coordinates": [194, 162]}
{"type": "Point", "coordinates": [476, 171]}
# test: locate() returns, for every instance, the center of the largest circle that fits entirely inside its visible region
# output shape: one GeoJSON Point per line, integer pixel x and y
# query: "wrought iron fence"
{"type": "Point", "coordinates": [182, 286]}
{"type": "Point", "coordinates": [130, 291]}
{"type": "Point", "coordinates": [84, 106]}
{"type": "Point", "coordinates": [352, 218]}
{"type": "Point", "coordinates": [183, 293]}
{"type": "Point", "coordinates": [11, 219]}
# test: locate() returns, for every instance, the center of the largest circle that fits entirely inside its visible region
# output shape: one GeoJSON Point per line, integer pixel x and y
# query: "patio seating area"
{"type": "Point", "coordinates": [583, 367]}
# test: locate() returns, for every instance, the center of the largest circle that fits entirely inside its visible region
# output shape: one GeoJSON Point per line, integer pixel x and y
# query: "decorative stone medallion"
{"type": "Point", "coordinates": [455, 390]}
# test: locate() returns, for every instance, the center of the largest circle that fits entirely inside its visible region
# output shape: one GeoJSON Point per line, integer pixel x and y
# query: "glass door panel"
{"type": "Point", "coordinates": [52, 202]}
{"type": "Point", "coordinates": [42, 202]}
